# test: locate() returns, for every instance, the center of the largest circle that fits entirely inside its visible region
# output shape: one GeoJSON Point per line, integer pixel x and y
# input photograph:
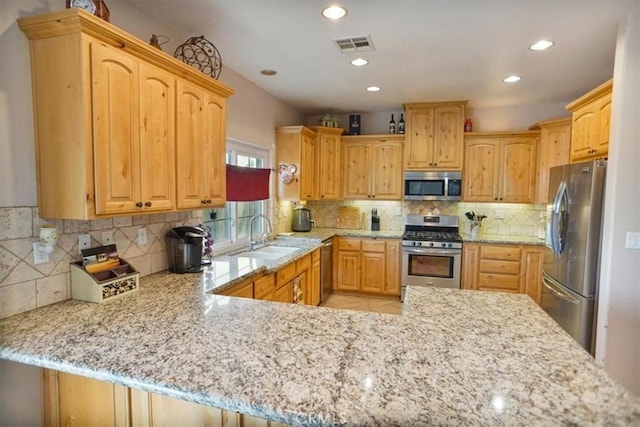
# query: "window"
{"type": "Point", "coordinates": [230, 225]}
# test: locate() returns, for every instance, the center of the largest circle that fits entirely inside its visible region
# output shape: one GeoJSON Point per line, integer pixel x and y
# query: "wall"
{"type": "Point", "coordinates": [485, 119]}
{"type": "Point", "coordinates": [618, 329]}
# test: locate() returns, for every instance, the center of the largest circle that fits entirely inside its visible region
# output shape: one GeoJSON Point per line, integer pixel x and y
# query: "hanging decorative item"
{"type": "Point", "coordinates": [287, 173]}
{"type": "Point", "coordinates": [200, 53]}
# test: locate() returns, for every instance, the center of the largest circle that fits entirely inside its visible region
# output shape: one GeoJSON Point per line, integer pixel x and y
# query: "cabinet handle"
{"type": "Point", "coordinates": [208, 201]}
{"type": "Point", "coordinates": [139, 205]}
{"type": "Point", "coordinates": [148, 204]}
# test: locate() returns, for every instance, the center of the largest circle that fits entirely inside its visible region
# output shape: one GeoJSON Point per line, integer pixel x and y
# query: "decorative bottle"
{"type": "Point", "coordinates": [468, 125]}
{"type": "Point", "coordinates": [401, 124]}
{"type": "Point", "coordinates": [392, 125]}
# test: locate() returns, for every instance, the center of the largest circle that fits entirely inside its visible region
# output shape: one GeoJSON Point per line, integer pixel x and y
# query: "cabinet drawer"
{"type": "Point", "coordinates": [303, 264]}
{"type": "Point", "coordinates": [501, 282]}
{"type": "Point", "coordinates": [243, 290]}
{"type": "Point", "coordinates": [499, 266]}
{"type": "Point", "coordinates": [349, 244]}
{"type": "Point", "coordinates": [264, 286]}
{"type": "Point", "coordinates": [373, 246]}
{"type": "Point", "coordinates": [285, 274]}
{"type": "Point", "coordinates": [500, 252]}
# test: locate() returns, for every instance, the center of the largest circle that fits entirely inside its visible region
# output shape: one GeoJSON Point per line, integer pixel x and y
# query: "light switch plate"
{"type": "Point", "coordinates": [633, 240]}
{"type": "Point", "coordinates": [142, 236]}
{"type": "Point", "coordinates": [39, 257]}
{"type": "Point", "coordinates": [84, 242]}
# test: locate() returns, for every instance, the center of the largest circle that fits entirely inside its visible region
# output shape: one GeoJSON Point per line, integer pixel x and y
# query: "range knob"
{"type": "Point", "coordinates": [450, 245]}
{"type": "Point", "coordinates": [431, 244]}
{"type": "Point", "coordinates": [443, 245]}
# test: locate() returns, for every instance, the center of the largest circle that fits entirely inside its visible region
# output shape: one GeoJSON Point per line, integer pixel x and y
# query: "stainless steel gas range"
{"type": "Point", "coordinates": [431, 252]}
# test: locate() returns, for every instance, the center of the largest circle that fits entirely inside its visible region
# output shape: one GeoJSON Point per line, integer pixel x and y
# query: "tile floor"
{"type": "Point", "coordinates": [364, 303]}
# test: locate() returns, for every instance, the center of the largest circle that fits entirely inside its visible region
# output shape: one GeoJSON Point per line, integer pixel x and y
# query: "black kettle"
{"type": "Point", "coordinates": [301, 219]}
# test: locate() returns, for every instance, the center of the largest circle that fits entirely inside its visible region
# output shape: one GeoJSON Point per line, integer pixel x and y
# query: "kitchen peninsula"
{"type": "Point", "coordinates": [453, 357]}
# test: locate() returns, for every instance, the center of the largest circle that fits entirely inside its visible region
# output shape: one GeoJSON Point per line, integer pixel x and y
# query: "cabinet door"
{"type": "Point", "coordinates": [189, 148]}
{"type": "Point", "coordinates": [448, 142]}
{"type": "Point", "coordinates": [356, 171]}
{"type": "Point", "coordinates": [373, 272]}
{"type": "Point", "coordinates": [419, 144]}
{"type": "Point", "coordinates": [157, 138]}
{"type": "Point", "coordinates": [308, 168]}
{"type": "Point", "coordinates": [531, 273]}
{"type": "Point", "coordinates": [470, 265]}
{"type": "Point", "coordinates": [115, 130]}
{"type": "Point", "coordinates": [584, 133]}
{"type": "Point", "coordinates": [315, 283]}
{"type": "Point", "coordinates": [348, 271]}
{"type": "Point", "coordinates": [387, 171]}
{"type": "Point", "coordinates": [601, 144]}
{"type": "Point", "coordinates": [214, 150]}
{"type": "Point", "coordinates": [392, 283]}
{"type": "Point", "coordinates": [149, 409]}
{"type": "Point", "coordinates": [554, 148]}
{"type": "Point", "coordinates": [284, 293]}
{"type": "Point", "coordinates": [518, 172]}
{"type": "Point", "coordinates": [329, 163]}
{"type": "Point", "coordinates": [481, 166]}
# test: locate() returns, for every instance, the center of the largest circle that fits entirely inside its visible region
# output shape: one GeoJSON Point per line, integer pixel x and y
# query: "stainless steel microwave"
{"type": "Point", "coordinates": [433, 186]}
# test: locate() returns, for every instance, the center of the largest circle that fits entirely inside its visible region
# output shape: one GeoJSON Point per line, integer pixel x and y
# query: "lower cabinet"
{"type": "Point", "coordinates": [503, 268]}
{"type": "Point", "coordinates": [298, 280]}
{"type": "Point", "coordinates": [72, 400]}
{"type": "Point", "coordinates": [368, 265]}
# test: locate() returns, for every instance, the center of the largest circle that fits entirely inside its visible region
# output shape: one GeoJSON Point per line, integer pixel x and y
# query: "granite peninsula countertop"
{"type": "Point", "coordinates": [454, 357]}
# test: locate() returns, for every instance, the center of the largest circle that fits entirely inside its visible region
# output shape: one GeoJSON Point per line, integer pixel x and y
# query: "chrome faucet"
{"type": "Point", "coordinates": [252, 242]}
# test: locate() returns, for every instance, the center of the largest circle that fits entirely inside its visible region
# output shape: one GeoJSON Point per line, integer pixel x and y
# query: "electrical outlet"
{"type": "Point", "coordinates": [633, 240]}
{"type": "Point", "coordinates": [38, 256]}
{"type": "Point", "coordinates": [84, 242]}
{"type": "Point", "coordinates": [142, 236]}
{"type": "Point", "coordinates": [107, 237]}
{"type": "Point", "coordinates": [499, 215]}
{"type": "Point", "coordinates": [398, 211]}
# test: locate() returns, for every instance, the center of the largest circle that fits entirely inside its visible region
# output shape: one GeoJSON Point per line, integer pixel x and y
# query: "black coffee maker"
{"type": "Point", "coordinates": [184, 248]}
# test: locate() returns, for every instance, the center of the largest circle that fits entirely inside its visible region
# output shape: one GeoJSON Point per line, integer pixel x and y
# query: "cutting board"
{"type": "Point", "coordinates": [348, 217]}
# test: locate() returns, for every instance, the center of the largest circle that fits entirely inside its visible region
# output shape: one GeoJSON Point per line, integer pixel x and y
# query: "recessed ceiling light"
{"type": "Point", "coordinates": [511, 79]}
{"type": "Point", "coordinates": [334, 12]}
{"type": "Point", "coordinates": [268, 72]}
{"type": "Point", "coordinates": [359, 62]}
{"type": "Point", "coordinates": [373, 88]}
{"type": "Point", "coordinates": [541, 45]}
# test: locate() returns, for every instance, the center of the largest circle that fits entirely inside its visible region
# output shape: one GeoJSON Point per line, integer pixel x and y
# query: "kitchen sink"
{"type": "Point", "coordinates": [268, 252]}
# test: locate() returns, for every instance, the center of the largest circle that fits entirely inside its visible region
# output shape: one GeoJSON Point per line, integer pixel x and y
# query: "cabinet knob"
{"type": "Point", "coordinates": [203, 202]}
{"type": "Point", "coordinates": [208, 201]}
{"type": "Point", "coordinates": [139, 205]}
{"type": "Point", "coordinates": [495, 198]}
{"type": "Point", "coordinates": [148, 204]}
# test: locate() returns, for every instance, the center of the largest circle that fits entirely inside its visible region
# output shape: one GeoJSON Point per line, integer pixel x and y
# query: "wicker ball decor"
{"type": "Point", "coordinates": [200, 53]}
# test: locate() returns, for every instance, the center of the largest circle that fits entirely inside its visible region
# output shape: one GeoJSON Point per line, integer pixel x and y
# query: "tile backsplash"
{"type": "Point", "coordinates": [25, 286]}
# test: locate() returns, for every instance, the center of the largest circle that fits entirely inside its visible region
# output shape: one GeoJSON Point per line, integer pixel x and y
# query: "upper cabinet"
{"type": "Point", "coordinates": [434, 136]}
{"type": "Point", "coordinates": [372, 167]}
{"type": "Point", "coordinates": [555, 141]}
{"type": "Point", "coordinates": [591, 115]}
{"type": "Point", "coordinates": [105, 114]}
{"type": "Point", "coordinates": [328, 162]}
{"type": "Point", "coordinates": [500, 167]}
{"type": "Point", "coordinates": [296, 145]}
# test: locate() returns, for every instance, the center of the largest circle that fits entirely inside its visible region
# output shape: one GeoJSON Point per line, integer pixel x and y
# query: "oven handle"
{"type": "Point", "coordinates": [431, 251]}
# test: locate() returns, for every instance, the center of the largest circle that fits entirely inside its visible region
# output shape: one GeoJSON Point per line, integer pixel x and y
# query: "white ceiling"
{"type": "Point", "coordinates": [426, 50]}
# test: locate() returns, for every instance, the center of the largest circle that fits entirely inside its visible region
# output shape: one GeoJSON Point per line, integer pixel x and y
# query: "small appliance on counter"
{"type": "Point", "coordinates": [184, 249]}
{"type": "Point", "coordinates": [301, 220]}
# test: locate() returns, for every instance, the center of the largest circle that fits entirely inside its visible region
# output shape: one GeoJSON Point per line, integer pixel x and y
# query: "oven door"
{"type": "Point", "coordinates": [431, 267]}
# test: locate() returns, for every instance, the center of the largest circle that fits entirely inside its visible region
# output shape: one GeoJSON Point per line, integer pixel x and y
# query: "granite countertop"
{"type": "Point", "coordinates": [454, 357]}
{"type": "Point", "coordinates": [511, 240]}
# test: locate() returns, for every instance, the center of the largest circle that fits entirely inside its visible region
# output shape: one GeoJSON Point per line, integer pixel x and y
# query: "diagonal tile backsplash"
{"type": "Point", "coordinates": [25, 286]}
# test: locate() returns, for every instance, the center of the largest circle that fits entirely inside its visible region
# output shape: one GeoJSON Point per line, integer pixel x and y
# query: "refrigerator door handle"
{"type": "Point", "coordinates": [555, 288]}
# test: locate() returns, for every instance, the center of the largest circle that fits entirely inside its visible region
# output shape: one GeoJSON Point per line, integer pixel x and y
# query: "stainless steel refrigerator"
{"type": "Point", "coordinates": [572, 253]}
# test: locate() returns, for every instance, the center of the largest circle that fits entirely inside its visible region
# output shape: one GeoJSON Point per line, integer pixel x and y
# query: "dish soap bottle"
{"type": "Point", "coordinates": [392, 125]}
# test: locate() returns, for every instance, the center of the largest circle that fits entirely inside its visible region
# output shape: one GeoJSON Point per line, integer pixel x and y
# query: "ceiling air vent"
{"type": "Point", "coordinates": [355, 44]}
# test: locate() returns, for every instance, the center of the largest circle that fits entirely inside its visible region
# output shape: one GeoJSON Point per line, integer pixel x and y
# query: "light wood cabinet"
{"type": "Point", "coordinates": [372, 167]}
{"type": "Point", "coordinates": [434, 136]}
{"type": "Point", "coordinates": [500, 167]}
{"type": "Point", "coordinates": [368, 265]}
{"type": "Point", "coordinates": [314, 291]}
{"type": "Point", "coordinates": [591, 116]}
{"type": "Point", "coordinates": [503, 268]}
{"type": "Point", "coordinates": [241, 290]}
{"type": "Point", "coordinates": [201, 166]}
{"type": "Point", "coordinates": [328, 162]}
{"type": "Point", "coordinates": [296, 145]}
{"type": "Point", "coordinates": [105, 109]}
{"type": "Point", "coordinates": [553, 150]}
{"type": "Point", "coordinates": [264, 287]}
